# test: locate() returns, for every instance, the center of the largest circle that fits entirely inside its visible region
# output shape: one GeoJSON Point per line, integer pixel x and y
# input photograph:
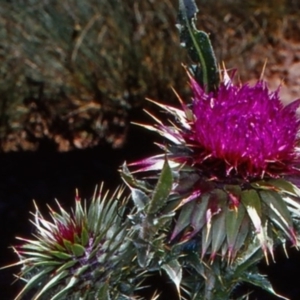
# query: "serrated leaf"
{"type": "Point", "coordinates": [174, 271]}
{"type": "Point", "coordinates": [131, 181]}
{"type": "Point", "coordinates": [162, 189]}
{"type": "Point", "coordinates": [139, 198]}
{"type": "Point", "coordinates": [262, 282]}
{"type": "Point", "coordinates": [198, 46]}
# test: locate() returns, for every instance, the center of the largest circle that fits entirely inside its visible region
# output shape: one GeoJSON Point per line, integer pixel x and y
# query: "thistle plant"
{"type": "Point", "coordinates": [233, 151]}
{"type": "Point", "coordinates": [217, 199]}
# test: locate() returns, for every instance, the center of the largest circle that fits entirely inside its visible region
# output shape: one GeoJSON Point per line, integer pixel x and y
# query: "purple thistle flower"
{"type": "Point", "coordinates": [233, 151]}
{"type": "Point", "coordinates": [246, 128]}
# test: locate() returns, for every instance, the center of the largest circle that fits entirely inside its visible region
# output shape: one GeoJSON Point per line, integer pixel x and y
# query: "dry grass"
{"type": "Point", "coordinates": [72, 71]}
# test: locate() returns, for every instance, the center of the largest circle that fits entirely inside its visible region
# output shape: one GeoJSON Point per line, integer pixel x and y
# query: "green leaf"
{"type": "Point", "coordinates": [61, 255]}
{"type": "Point", "coordinates": [84, 237]}
{"type": "Point", "coordinates": [275, 215]}
{"type": "Point", "coordinates": [218, 222]}
{"type": "Point", "coordinates": [277, 205]}
{"type": "Point", "coordinates": [218, 232]}
{"type": "Point", "coordinates": [262, 282]}
{"type": "Point", "coordinates": [37, 255]}
{"type": "Point", "coordinates": [52, 282]}
{"type": "Point", "coordinates": [252, 202]}
{"type": "Point", "coordinates": [78, 250]}
{"type": "Point", "coordinates": [174, 271]}
{"type": "Point", "coordinates": [244, 231]}
{"type": "Point", "coordinates": [47, 263]}
{"type": "Point", "coordinates": [34, 282]}
{"type": "Point", "coordinates": [68, 245]}
{"type": "Point", "coordinates": [162, 189]}
{"type": "Point", "coordinates": [198, 46]}
{"type": "Point", "coordinates": [233, 222]}
{"type": "Point", "coordinates": [161, 221]}
{"type": "Point", "coordinates": [248, 258]}
{"type": "Point", "coordinates": [193, 259]}
{"type": "Point", "coordinates": [285, 186]}
{"type": "Point", "coordinates": [139, 198]}
{"type": "Point", "coordinates": [62, 293]}
{"type": "Point", "coordinates": [34, 245]}
{"type": "Point", "coordinates": [143, 251]}
{"type": "Point", "coordinates": [66, 265]}
{"type": "Point", "coordinates": [131, 181]}
{"type": "Point", "coordinates": [206, 238]}
{"type": "Point", "coordinates": [103, 292]}
{"type": "Point", "coordinates": [198, 218]}
{"type": "Point", "coordinates": [184, 219]}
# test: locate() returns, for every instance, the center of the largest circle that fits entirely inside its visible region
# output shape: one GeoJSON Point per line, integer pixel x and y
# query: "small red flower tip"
{"type": "Point", "coordinates": [67, 232]}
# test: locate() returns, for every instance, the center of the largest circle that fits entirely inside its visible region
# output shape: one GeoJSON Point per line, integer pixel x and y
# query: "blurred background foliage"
{"type": "Point", "coordinates": [76, 72]}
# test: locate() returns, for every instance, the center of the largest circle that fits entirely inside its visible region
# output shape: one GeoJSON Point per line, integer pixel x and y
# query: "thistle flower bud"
{"type": "Point", "coordinates": [85, 254]}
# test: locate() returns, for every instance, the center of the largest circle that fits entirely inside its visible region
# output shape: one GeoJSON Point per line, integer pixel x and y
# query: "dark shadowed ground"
{"type": "Point", "coordinates": [46, 175]}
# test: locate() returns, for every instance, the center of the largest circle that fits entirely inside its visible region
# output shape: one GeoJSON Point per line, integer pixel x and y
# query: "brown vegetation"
{"type": "Point", "coordinates": [72, 72]}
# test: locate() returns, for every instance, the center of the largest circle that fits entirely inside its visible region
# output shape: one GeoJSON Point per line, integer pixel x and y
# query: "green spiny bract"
{"type": "Point", "coordinates": [85, 254]}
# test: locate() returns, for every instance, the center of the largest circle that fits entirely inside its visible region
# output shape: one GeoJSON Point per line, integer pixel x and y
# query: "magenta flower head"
{"type": "Point", "coordinates": [232, 151]}
{"type": "Point", "coordinates": [246, 130]}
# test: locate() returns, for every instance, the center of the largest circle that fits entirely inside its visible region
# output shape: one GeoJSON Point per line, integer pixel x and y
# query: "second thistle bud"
{"type": "Point", "coordinates": [84, 254]}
